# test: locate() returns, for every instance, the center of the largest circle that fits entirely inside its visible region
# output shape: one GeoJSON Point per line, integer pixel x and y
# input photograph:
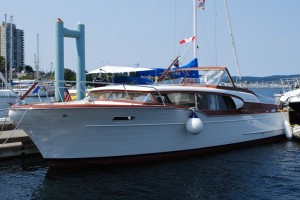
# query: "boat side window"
{"type": "Point", "coordinates": [163, 98]}
{"type": "Point", "coordinates": [183, 99]}
{"type": "Point", "coordinates": [141, 97]}
{"type": "Point", "coordinates": [177, 98]}
{"type": "Point", "coordinates": [217, 102]}
{"type": "Point", "coordinates": [100, 95]}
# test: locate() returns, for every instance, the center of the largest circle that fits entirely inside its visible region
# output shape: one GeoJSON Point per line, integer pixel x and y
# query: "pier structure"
{"type": "Point", "coordinates": [79, 34]}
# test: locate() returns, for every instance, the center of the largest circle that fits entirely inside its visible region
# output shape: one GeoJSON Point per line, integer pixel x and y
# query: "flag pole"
{"type": "Point", "coordinates": [195, 27]}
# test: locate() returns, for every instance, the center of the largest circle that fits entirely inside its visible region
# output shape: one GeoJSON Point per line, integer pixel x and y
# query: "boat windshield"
{"type": "Point", "coordinates": [202, 76]}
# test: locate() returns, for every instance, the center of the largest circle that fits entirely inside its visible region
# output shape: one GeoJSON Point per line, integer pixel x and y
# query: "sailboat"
{"type": "Point", "coordinates": [119, 124]}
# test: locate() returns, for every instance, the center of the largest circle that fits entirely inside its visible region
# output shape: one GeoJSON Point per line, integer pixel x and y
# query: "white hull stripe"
{"type": "Point", "coordinates": [126, 125]}
{"type": "Point", "coordinates": [163, 124]}
{"type": "Point", "coordinates": [262, 132]}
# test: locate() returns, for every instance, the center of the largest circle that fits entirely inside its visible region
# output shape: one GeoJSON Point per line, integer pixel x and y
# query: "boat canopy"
{"type": "Point", "coordinates": [118, 69]}
{"type": "Point", "coordinates": [207, 75]}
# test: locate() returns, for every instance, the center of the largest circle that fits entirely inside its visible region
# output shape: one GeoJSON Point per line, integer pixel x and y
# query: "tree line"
{"type": "Point", "coordinates": [29, 73]}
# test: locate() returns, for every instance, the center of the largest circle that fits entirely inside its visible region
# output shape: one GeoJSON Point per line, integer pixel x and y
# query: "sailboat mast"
{"type": "Point", "coordinates": [232, 41]}
{"type": "Point", "coordinates": [37, 59]}
{"type": "Point", "coordinates": [5, 47]}
{"type": "Point", "coordinates": [11, 49]}
{"type": "Point", "coordinates": [195, 27]}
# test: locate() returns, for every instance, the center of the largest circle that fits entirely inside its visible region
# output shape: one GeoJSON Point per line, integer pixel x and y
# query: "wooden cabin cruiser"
{"type": "Point", "coordinates": [131, 123]}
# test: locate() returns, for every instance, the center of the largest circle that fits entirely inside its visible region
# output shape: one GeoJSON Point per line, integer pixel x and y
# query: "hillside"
{"type": "Point", "coordinates": [266, 78]}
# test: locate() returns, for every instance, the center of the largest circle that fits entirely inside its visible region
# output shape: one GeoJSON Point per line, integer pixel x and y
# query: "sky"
{"type": "Point", "coordinates": [147, 33]}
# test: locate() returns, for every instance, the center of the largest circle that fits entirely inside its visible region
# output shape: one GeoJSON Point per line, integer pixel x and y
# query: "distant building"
{"type": "Point", "coordinates": [18, 44]}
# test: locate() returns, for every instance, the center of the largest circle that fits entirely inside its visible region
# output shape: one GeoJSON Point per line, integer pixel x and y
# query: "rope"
{"type": "Point", "coordinates": [15, 128]}
{"type": "Point", "coordinates": [117, 31]}
{"type": "Point", "coordinates": [146, 31]}
{"type": "Point", "coordinates": [232, 42]}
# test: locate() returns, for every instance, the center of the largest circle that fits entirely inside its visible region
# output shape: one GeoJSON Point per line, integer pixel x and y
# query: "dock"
{"type": "Point", "coordinates": [16, 143]}
{"type": "Point", "coordinates": [6, 124]}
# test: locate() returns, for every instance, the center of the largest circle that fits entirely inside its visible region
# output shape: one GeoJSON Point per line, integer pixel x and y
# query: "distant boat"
{"type": "Point", "coordinates": [20, 87]}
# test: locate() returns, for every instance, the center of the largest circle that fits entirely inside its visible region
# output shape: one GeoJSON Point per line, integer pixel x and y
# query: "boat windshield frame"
{"type": "Point", "coordinates": [208, 75]}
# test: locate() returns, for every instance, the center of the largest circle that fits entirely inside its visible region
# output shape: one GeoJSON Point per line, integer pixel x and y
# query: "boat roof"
{"type": "Point", "coordinates": [241, 92]}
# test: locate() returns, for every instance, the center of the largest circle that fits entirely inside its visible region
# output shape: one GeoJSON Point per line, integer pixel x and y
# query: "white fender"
{"type": "Point", "coordinates": [194, 124]}
{"type": "Point", "coordinates": [288, 129]}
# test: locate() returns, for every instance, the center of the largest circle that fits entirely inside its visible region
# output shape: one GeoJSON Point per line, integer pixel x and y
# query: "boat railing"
{"type": "Point", "coordinates": [145, 86]}
{"type": "Point", "coordinates": [290, 84]}
{"type": "Point", "coordinates": [69, 89]}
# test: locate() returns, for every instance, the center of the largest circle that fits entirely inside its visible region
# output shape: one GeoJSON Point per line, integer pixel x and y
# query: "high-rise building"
{"type": "Point", "coordinates": [17, 44]}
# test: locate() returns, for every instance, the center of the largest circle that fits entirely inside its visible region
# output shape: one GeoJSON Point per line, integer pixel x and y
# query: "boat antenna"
{"type": "Point", "coordinates": [232, 42]}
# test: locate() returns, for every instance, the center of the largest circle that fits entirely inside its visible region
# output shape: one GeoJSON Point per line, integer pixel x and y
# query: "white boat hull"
{"type": "Point", "coordinates": [65, 134]}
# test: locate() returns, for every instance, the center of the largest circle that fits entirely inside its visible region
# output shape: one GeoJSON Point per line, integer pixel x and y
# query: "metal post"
{"type": "Point", "coordinates": [62, 32]}
{"type": "Point", "coordinates": [59, 67]}
{"type": "Point", "coordinates": [80, 75]}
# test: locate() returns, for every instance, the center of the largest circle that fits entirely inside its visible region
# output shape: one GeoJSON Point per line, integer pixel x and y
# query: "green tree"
{"type": "Point", "coordinates": [89, 77]}
{"type": "Point", "coordinates": [28, 69]}
{"type": "Point", "coordinates": [69, 75]}
{"type": "Point", "coordinates": [19, 69]}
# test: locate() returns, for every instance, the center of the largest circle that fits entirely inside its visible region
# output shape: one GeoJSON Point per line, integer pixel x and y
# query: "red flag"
{"type": "Point", "coordinates": [191, 39]}
{"type": "Point", "coordinates": [201, 4]}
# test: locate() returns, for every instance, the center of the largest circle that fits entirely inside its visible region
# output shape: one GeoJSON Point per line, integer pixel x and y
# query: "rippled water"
{"type": "Point", "coordinates": [261, 172]}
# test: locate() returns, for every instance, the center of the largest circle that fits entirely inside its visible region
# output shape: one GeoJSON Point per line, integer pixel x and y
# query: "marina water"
{"type": "Point", "coordinates": [269, 171]}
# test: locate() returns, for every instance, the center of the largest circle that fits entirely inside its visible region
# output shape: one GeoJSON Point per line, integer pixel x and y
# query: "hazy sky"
{"type": "Point", "coordinates": [127, 32]}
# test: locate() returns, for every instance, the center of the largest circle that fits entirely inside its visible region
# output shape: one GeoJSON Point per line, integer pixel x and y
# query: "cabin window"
{"type": "Point", "coordinates": [201, 101]}
{"type": "Point", "coordinates": [180, 99]}
{"type": "Point", "coordinates": [100, 95]}
{"type": "Point", "coordinates": [141, 97]}
{"type": "Point", "coordinates": [217, 102]}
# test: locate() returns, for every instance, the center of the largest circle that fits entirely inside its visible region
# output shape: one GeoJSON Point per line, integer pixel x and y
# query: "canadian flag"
{"type": "Point", "coordinates": [191, 39]}
{"type": "Point", "coordinates": [201, 4]}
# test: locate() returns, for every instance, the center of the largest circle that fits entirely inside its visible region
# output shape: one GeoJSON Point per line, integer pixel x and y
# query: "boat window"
{"type": "Point", "coordinates": [100, 95]}
{"type": "Point", "coordinates": [217, 102]}
{"type": "Point", "coordinates": [141, 97]}
{"type": "Point", "coordinates": [181, 99]}
{"type": "Point", "coordinates": [163, 98]}
{"type": "Point", "coordinates": [215, 78]}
